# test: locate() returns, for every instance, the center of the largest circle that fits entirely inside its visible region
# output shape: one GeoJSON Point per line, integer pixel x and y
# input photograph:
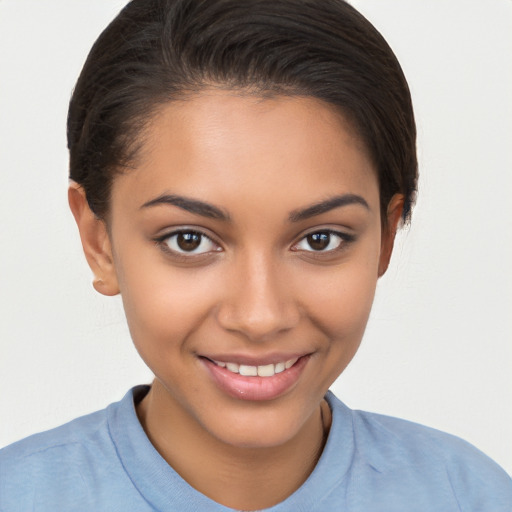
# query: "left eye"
{"type": "Point", "coordinates": [321, 241]}
{"type": "Point", "coordinates": [189, 242]}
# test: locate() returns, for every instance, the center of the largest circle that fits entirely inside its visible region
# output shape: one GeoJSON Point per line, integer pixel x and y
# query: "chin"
{"type": "Point", "coordinates": [261, 426]}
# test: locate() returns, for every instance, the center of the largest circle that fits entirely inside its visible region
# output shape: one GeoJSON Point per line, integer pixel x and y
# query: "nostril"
{"type": "Point", "coordinates": [257, 322]}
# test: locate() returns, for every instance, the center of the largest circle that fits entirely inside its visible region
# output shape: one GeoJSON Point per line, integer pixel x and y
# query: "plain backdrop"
{"type": "Point", "coordinates": [438, 345]}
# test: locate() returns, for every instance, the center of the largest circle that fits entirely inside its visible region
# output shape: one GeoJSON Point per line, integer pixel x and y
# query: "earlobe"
{"type": "Point", "coordinates": [95, 242]}
{"type": "Point", "coordinates": [394, 215]}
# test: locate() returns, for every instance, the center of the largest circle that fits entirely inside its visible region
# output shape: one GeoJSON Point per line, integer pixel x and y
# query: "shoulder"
{"type": "Point", "coordinates": [402, 440]}
{"type": "Point", "coordinates": [71, 465]}
{"type": "Point", "coordinates": [53, 456]}
{"type": "Point", "coordinates": [86, 431]}
{"type": "Point", "coordinates": [429, 459]}
{"type": "Point", "coordinates": [78, 431]}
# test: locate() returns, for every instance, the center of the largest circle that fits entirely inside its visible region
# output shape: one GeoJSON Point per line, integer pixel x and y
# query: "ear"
{"type": "Point", "coordinates": [393, 216]}
{"type": "Point", "coordinates": [95, 241]}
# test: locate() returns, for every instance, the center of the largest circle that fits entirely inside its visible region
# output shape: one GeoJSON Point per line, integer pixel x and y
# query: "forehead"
{"type": "Point", "coordinates": [220, 144]}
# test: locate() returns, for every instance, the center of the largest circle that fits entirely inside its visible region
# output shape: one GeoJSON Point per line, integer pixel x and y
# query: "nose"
{"type": "Point", "coordinates": [258, 301]}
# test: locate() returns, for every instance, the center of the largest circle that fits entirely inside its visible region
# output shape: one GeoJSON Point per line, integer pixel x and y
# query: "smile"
{"type": "Point", "coordinates": [255, 382]}
{"type": "Point", "coordinates": [266, 370]}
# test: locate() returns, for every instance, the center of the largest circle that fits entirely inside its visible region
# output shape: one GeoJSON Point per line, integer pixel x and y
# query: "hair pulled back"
{"type": "Point", "coordinates": [156, 51]}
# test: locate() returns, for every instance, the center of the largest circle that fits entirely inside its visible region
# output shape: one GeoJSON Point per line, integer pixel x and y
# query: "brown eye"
{"type": "Point", "coordinates": [189, 242]}
{"type": "Point", "coordinates": [322, 241]}
{"type": "Point", "coordinates": [319, 241]}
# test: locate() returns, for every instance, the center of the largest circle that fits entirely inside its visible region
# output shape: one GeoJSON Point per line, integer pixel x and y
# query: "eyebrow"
{"type": "Point", "coordinates": [213, 212]}
{"type": "Point", "coordinates": [327, 205]}
{"type": "Point", "coordinates": [190, 205]}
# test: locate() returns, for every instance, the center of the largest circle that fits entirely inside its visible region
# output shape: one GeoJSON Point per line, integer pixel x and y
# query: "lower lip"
{"type": "Point", "coordinates": [256, 388]}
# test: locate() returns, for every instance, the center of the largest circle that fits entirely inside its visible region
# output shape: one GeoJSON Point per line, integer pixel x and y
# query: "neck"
{"type": "Point", "coordinates": [231, 475]}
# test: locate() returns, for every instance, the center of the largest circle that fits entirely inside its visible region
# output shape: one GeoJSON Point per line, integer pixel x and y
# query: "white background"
{"type": "Point", "coordinates": [438, 346]}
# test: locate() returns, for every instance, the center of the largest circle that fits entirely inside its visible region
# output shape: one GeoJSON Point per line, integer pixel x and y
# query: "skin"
{"type": "Point", "coordinates": [258, 290]}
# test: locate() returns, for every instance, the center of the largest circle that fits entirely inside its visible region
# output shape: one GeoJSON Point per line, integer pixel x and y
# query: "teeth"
{"type": "Point", "coordinates": [248, 371]}
{"type": "Point", "coordinates": [280, 367]}
{"type": "Point", "coordinates": [232, 367]}
{"type": "Point", "coordinates": [266, 370]}
{"type": "Point", "coordinates": [290, 363]}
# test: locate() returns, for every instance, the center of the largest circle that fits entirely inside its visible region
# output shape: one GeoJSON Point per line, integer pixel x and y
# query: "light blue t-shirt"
{"type": "Point", "coordinates": [104, 462]}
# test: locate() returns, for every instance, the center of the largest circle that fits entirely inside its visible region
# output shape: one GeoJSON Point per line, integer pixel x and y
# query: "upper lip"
{"type": "Point", "coordinates": [253, 360]}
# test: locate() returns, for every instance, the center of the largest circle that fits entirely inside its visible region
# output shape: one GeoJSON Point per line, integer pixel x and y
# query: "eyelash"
{"type": "Point", "coordinates": [164, 243]}
{"type": "Point", "coordinates": [344, 240]}
{"type": "Point", "coordinates": [166, 240]}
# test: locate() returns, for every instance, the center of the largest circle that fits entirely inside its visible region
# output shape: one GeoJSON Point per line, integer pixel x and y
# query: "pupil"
{"type": "Point", "coordinates": [319, 241]}
{"type": "Point", "coordinates": [188, 241]}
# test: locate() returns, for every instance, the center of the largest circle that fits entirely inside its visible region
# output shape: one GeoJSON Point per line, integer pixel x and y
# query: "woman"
{"type": "Point", "coordinates": [239, 170]}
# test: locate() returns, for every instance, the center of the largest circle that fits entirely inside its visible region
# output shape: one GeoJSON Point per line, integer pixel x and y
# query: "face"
{"type": "Point", "coordinates": [246, 245]}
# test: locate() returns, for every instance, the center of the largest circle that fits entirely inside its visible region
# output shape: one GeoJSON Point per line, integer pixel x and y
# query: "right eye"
{"type": "Point", "coordinates": [191, 242]}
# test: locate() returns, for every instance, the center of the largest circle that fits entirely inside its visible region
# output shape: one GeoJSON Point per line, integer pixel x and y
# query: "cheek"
{"type": "Point", "coordinates": [344, 304]}
{"type": "Point", "coordinates": [340, 299]}
{"type": "Point", "coordinates": [341, 313]}
{"type": "Point", "coordinates": [163, 304]}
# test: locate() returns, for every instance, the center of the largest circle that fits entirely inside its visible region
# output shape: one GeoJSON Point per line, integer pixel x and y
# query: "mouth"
{"type": "Point", "coordinates": [255, 382]}
{"type": "Point", "coordinates": [265, 370]}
